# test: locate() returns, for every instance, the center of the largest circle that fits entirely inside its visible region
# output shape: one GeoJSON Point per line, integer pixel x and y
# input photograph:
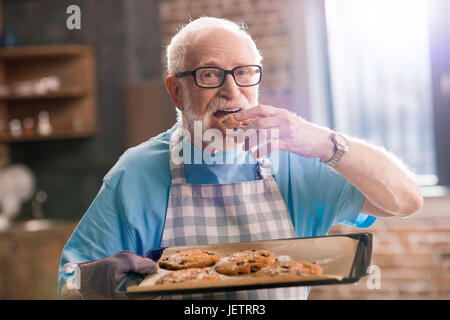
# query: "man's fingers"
{"type": "Point", "coordinates": [265, 123]}
{"type": "Point", "coordinates": [259, 137]}
{"type": "Point", "coordinates": [258, 111]}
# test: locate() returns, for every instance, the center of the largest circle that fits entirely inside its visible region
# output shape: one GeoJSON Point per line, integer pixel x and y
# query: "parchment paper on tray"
{"type": "Point", "coordinates": [344, 259]}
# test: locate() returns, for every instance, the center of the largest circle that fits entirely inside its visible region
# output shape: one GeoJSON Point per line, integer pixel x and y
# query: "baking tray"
{"type": "Point", "coordinates": [343, 257]}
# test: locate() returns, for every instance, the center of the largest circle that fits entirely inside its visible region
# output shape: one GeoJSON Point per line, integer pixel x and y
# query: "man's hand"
{"type": "Point", "coordinates": [388, 185]}
{"type": "Point", "coordinates": [295, 134]}
{"type": "Point", "coordinates": [99, 278]}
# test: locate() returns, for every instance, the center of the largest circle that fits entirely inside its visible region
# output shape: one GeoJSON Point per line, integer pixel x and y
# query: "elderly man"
{"type": "Point", "coordinates": [168, 192]}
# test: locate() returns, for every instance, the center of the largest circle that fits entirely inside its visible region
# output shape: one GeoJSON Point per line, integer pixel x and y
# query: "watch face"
{"type": "Point", "coordinates": [341, 140]}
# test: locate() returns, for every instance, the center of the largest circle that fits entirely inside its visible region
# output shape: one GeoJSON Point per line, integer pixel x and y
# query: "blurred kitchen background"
{"type": "Point", "coordinates": [82, 81]}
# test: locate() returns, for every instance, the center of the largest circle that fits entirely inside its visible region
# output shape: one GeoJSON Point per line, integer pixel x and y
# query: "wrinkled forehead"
{"type": "Point", "coordinates": [219, 47]}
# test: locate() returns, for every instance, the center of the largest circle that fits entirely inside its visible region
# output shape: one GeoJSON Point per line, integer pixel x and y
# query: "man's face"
{"type": "Point", "coordinates": [218, 48]}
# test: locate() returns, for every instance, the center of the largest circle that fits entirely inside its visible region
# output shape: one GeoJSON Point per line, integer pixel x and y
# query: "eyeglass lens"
{"type": "Point", "coordinates": [212, 77]}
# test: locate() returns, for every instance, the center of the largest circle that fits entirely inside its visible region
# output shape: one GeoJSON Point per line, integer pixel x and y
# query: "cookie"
{"type": "Point", "coordinates": [245, 262]}
{"type": "Point", "coordinates": [312, 269]}
{"type": "Point", "coordinates": [290, 268]}
{"type": "Point", "coordinates": [188, 259]}
{"type": "Point", "coordinates": [230, 123]}
{"type": "Point", "coordinates": [192, 274]}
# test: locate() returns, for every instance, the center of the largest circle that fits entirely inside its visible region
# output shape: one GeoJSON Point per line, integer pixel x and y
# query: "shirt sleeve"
{"type": "Point", "coordinates": [348, 208]}
{"type": "Point", "coordinates": [103, 231]}
{"type": "Point", "coordinates": [318, 197]}
{"type": "Point", "coordinates": [342, 201]}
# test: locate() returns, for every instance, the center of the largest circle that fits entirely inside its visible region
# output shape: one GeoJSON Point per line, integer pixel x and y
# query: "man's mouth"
{"type": "Point", "coordinates": [223, 112]}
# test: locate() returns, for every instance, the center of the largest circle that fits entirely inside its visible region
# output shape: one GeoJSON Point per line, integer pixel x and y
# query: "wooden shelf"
{"type": "Point", "coordinates": [75, 92]}
{"type": "Point", "coordinates": [73, 66]}
{"type": "Point", "coordinates": [48, 51]}
{"type": "Point", "coordinates": [61, 135]}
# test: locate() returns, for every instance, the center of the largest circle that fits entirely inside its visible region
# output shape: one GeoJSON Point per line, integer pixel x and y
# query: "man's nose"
{"type": "Point", "coordinates": [229, 89]}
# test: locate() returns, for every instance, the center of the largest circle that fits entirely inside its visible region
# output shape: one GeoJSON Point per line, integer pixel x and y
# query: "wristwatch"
{"type": "Point", "coordinates": [340, 147]}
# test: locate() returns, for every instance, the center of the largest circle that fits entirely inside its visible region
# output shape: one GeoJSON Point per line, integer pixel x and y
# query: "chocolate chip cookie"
{"type": "Point", "coordinates": [245, 262]}
{"type": "Point", "coordinates": [290, 268]}
{"type": "Point", "coordinates": [192, 274]}
{"type": "Point", "coordinates": [188, 259]}
{"type": "Point", "coordinates": [233, 125]}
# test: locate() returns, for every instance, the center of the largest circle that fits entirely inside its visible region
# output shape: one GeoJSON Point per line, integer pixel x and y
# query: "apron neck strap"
{"type": "Point", "coordinates": [176, 157]}
{"type": "Point", "coordinates": [263, 170]}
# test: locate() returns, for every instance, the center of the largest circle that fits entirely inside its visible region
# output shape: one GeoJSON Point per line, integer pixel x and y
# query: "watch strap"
{"type": "Point", "coordinates": [339, 151]}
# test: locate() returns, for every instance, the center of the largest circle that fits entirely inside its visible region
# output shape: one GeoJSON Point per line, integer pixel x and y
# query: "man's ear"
{"type": "Point", "coordinates": [175, 91]}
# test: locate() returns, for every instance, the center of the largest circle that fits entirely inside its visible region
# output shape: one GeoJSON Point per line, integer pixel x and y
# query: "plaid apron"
{"type": "Point", "coordinates": [199, 214]}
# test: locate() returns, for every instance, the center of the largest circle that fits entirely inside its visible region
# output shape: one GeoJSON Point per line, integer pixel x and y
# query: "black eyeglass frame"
{"type": "Point", "coordinates": [226, 72]}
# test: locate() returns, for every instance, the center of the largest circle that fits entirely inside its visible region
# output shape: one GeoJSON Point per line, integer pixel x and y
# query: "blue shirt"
{"type": "Point", "coordinates": [129, 211]}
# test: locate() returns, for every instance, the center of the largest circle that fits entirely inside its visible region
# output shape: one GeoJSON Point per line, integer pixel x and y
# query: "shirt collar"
{"type": "Point", "coordinates": [193, 155]}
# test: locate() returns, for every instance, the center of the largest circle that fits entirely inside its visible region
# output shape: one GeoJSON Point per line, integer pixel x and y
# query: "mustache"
{"type": "Point", "coordinates": [223, 103]}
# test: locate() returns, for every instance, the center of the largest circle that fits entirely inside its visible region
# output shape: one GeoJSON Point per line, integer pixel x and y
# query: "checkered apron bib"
{"type": "Point", "coordinates": [199, 214]}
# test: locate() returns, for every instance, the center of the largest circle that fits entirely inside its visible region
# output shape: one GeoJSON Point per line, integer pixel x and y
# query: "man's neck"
{"type": "Point", "coordinates": [195, 136]}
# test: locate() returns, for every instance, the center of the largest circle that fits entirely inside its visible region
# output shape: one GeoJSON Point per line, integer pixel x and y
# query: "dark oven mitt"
{"type": "Point", "coordinates": [99, 278]}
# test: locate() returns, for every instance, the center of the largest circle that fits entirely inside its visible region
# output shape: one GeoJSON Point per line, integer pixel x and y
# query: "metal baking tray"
{"type": "Point", "coordinates": [343, 257]}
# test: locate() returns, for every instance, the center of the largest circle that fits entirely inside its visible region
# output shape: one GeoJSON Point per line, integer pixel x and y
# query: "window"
{"type": "Point", "coordinates": [380, 70]}
{"type": "Point", "coordinates": [380, 76]}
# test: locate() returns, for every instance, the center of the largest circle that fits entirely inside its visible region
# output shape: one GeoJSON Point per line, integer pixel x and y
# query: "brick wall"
{"type": "Point", "coordinates": [413, 255]}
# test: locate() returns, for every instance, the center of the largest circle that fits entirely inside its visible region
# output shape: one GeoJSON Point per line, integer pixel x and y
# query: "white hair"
{"type": "Point", "coordinates": [177, 49]}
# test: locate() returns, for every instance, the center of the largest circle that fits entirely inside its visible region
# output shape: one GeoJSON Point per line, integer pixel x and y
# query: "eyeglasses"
{"type": "Point", "coordinates": [214, 77]}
